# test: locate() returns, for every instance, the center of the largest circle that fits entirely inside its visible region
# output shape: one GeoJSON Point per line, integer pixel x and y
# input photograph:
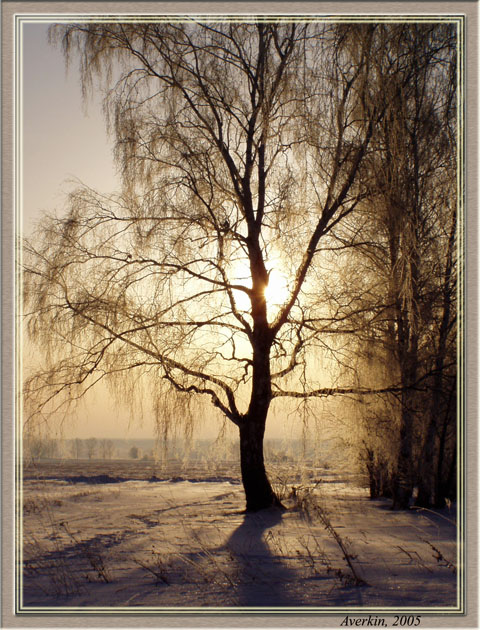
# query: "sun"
{"type": "Point", "coordinates": [277, 291]}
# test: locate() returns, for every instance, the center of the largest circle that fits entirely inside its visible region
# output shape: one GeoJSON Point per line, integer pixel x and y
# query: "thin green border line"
{"type": "Point", "coordinates": [459, 20]}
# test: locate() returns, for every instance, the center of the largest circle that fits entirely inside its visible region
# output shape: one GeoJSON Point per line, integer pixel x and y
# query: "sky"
{"type": "Point", "coordinates": [63, 138]}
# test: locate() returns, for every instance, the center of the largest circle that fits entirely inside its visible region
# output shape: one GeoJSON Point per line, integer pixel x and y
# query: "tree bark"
{"type": "Point", "coordinates": [431, 453]}
{"type": "Point", "coordinates": [258, 490]}
{"type": "Point", "coordinates": [442, 485]}
{"type": "Point", "coordinates": [426, 477]}
{"type": "Point", "coordinates": [403, 483]}
{"type": "Point", "coordinates": [429, 483]}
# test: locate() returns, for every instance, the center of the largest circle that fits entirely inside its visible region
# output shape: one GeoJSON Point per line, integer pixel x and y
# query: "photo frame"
{"type": "Point", "coordinates": [465, 613]}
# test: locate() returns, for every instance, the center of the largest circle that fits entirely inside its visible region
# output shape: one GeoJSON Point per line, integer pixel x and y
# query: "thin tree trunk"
{"type": "Point", "coordinates": [429, 483]}
{"type": "Point", "coordinates": [426, 478]}
{"type": "Point", "coordinates": [403, 479]}
{"type": "Point", "coordinates": [403, 482]}
{"type": "Point", "coordinates": [441, 485]}
{"type": "Point", "coordinates": [438, 484]}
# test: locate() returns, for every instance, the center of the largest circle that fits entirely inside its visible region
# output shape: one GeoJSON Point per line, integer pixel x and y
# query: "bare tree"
{"type": "Point", "coordinates": [134, 452]}
{"type": "Point", "coordinates": [91, 447]}
{"type": "Point", "coordinates": [419, 192]}
{"type": "Point", "coordinates": [241, 147]}
{"type": "Point", "coordinates": [40, 447]}
{"type": "Point", "coordinates": [106, 448]}
{"type": "Point", "coordinates": [76, 448]}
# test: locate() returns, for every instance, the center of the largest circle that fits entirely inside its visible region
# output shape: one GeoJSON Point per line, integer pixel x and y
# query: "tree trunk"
{"type": "Point", "coordinates": [439, 489]}
{"type": "Point", "coordinates": [450, 485]}
{"type": "Point", "coordinates": [258, 491]}
{"type": "Point", "coordinates": [372, 473]}
{"type": "Point", "coordinates": [407, 343]}
{"type": "Point", "coordinates": [430, 479]}
{"type": "Point", "coordinates": [441, 485]}
{"type": "Point", "coordinates": [426, 481]}
{"type": "Point", "coordinates": [403, 483]}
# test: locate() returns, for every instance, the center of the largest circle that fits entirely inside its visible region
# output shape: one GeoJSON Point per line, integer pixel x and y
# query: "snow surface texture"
{"type": "Point", "coordinates": [100, 536]}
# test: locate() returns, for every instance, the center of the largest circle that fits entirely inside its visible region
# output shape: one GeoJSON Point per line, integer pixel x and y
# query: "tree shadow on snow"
{"type": "Point", "coordinates": [262, 577]}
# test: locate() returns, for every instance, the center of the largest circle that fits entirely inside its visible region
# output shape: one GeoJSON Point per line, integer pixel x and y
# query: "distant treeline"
{"type": "Point", "coordinates": [276, 450]}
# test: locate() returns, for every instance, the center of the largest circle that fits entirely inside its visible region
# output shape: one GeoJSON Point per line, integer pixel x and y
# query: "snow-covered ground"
{"type": "Point", "coordinates": [111, 535]}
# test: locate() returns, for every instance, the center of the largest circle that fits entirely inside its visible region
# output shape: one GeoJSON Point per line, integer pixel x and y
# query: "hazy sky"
{"type": "Point", "coordinates": [62, 139]}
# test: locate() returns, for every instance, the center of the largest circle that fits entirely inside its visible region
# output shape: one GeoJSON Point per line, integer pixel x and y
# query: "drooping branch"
{"type": "Point", "coordinates": [167, 363]}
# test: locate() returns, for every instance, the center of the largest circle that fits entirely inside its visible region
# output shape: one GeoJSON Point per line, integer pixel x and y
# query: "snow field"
{"type": "Point", "coordinates": [187, 544]}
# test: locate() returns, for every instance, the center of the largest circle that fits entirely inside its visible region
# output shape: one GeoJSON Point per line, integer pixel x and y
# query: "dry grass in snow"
{"type": "Point", "coordinates": [184, 544]}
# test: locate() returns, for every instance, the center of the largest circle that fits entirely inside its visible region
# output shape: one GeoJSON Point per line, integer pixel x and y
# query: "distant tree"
{"type": "Point", "coordinates": [76, 448]}
{"type": "Point", "coordinates": [40, 447]}
{"type": "Point", "coordinates": [91, 445]}
{"type": "Point", "coordinates": [134, 452]}
{"type": "Point", "coordinates": [106, 449]}
{"type": "Point", "coordinates": [242, 146]}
